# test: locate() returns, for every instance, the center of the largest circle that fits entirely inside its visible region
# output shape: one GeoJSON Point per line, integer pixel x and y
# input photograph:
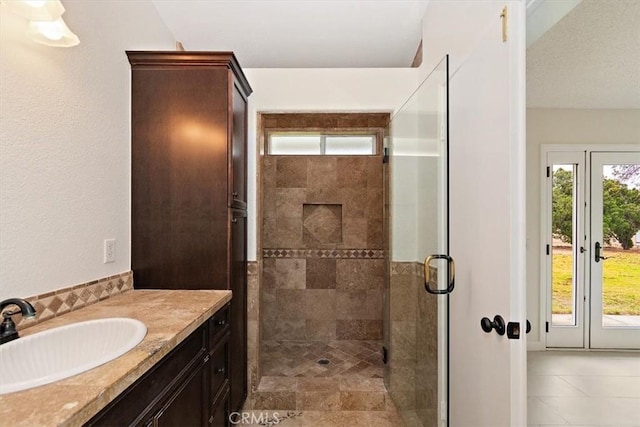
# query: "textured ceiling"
{"type": "Point", "coordinates": [300, 33]}
{"type": "Point", "coordinates": [589, 59]}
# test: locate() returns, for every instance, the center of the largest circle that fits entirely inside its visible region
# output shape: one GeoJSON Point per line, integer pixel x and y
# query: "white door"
{"type": "Point", "coordinates": [614, 263]}
{"type": "Point", "coordinates": [565, 248]}
{"type": "Point", "coordinates": [487, 224]}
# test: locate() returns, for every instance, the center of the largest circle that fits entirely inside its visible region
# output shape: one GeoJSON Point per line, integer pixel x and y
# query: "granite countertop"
{"type": "Point", "coordinates": [170, 316]}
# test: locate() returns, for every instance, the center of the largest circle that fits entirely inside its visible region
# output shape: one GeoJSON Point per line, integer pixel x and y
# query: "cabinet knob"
{"type": "Point", "coordinates": [221, 322]}
{"type": "Point", "coordinates": [221, 370]}
{"type": "Point", "coordinates": [234, 220]}
{"type": "Point", "coordinates": [234, 194]}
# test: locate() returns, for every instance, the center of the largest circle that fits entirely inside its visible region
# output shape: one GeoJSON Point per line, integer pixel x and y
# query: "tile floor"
{"type": "Point", "coordinates": [300, 358]}
{"type": "Point", "coordinates": [583, 388]}
{"type": "Point", "coordinates": [297, 391]}
{"type": "Point", "coordinates": [565, 388]}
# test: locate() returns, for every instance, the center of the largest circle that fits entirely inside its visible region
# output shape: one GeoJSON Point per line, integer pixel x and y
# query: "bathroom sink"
{"type": "Point", "coordinates": [62, 352]}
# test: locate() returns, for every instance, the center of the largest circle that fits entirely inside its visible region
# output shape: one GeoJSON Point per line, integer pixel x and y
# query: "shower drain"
{"type": "Point", "coordinates": [323, 361]}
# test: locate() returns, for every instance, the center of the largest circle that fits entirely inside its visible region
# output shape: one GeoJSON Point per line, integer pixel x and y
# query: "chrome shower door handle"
{"type": "Point", "coordinates": [451, 271]}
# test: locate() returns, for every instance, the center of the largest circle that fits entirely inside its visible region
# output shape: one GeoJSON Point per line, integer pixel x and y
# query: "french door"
{"type": "Point", "coordinates": [615, 256]}
{"type": "Point", "coordinates": [565, 249]}
{"type": "Point", "coordinates": [592, 249]}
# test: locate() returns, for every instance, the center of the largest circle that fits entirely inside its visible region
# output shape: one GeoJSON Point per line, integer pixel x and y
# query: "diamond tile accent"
{"type": "Point", "coordinates": [362, 359]}
{"type": "Point", "coordinates": [409, 269]}
{"type": "Point", "coordinates": [325, 253]}
{"type": "Point", "coordinates": [322, 223]}
{"type": "Point", "coordinates": [52, 304]}
{"type": "Point", "coordinates": [351, 381]}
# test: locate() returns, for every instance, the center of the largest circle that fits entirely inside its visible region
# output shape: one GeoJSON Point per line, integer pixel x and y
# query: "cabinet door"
{"type": "Point", "coordinates": [238, 186]}
{"type": "Point", "coordinates": [238, 343]}
{"type": "Point", "coordinates": [187, 406]}
{"type": "Point", "coordinates": [141, 402]}
{"type": "Point", "coordinates": [178, 177]}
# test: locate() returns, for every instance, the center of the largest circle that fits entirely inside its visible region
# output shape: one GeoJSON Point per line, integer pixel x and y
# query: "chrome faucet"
{"type": "Point", "coordinates": [8, 331]}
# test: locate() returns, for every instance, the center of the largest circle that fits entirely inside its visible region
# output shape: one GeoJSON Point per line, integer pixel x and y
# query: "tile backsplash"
{"type": "Point", "coordinates": [61, 301]}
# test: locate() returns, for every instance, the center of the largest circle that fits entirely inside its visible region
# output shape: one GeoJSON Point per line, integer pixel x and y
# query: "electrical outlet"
{"type": "Point", "coordinates": [109, 250]}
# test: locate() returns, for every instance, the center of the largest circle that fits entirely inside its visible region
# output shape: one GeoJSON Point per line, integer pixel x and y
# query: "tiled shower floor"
{"type": "Point", "coordinates": [298, 391]}
{"type": "Point", "coordinates": [301, 359]}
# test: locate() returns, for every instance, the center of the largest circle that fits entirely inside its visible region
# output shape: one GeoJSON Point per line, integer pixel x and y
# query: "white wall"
{"type": "Point", "coordinates": [65, 145]}
{"type": "Point", "coordinates": [326, 90]}
{"type": "Point", "coordinates": [403, 173]}
{"type": "Point", "coordinates": [563, 126]}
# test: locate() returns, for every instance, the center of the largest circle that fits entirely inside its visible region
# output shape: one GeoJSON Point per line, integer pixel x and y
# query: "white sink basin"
{"type": "Point", "coordinates": [62, 352]}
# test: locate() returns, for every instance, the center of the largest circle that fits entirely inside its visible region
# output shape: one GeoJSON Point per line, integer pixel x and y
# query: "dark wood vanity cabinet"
{"type": "Point", "coordinates": [188, 387]}
{"type": "Point", "coordinates": [189, 182]}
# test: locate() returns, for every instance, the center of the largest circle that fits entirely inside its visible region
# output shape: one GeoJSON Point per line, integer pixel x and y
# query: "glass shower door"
{"type": "Point", "coordinates": [422, 274]}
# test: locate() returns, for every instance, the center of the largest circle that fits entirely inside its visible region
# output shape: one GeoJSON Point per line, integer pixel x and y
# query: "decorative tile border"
{"type": "Point", "coordinates": [61, 301]}
{"type": "Point", "coordinates": [413, 269]}
{"type": "Point", "coordinates": [324, 253]}
{"type": "Point", "coordinates": [407, 268]}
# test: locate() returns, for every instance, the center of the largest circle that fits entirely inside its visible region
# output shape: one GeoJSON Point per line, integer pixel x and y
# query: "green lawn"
{"type": "Point", "coordinates": [621, 283]}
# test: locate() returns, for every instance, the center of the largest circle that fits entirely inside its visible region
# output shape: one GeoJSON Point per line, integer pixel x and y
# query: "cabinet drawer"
{"type": "Point", "coordinates": [219, 367]}
{"type": "Point", "coordinates": [218, 325]}
{"type": "Point", "coordinates": [220, 410]}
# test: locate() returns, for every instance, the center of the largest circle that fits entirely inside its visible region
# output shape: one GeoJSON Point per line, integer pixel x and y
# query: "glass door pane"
{"type": "Point", "coordinates": [565, 249]}
{"type": "Point", "coordinates": [418, 366]}
{"type": "Point", "coordinates": [615, 264]}
{"type": "Point", "coordinates": [564, 266]}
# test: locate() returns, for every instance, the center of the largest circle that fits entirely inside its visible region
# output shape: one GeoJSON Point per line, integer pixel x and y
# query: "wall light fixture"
{"type": "Point", "coordinates": [46, 25]}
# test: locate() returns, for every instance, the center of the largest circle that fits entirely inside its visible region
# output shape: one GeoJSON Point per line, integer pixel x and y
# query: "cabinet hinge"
{"type": "Point", "coordinates": [385, 155]}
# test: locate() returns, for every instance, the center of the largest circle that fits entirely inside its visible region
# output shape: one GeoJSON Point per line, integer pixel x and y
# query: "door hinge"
{"type": "Point", "coordinates": [504, 17]}
{"type": "Point", "coordinates": [546, 327]}
{"type": "Point", "coordinates": [385, 355]}
{"type": "Point", "coordinates": [548, 171]}
{"type": "Point", "coordinates": [385, 155]}
{"type": "Point", "coordinates": [548, 250]}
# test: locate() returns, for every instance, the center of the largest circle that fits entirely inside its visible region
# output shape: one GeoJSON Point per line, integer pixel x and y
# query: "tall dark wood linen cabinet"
{"type": "Point", "coordinates": [188, 183]}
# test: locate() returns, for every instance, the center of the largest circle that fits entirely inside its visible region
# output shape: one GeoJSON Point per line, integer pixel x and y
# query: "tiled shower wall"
{"type": "Point", "coordinates": [323, 248]}
{"type": "Point", "coordinates": [62, 301]}
{"type": "Point", "coordinates": [412, 372]}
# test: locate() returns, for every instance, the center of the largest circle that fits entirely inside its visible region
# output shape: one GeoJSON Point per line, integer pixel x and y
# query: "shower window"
{"type": "Point", "coordinates": [305, 144]}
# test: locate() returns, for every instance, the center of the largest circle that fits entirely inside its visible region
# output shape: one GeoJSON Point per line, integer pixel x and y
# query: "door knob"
{"type": "Point", "coordinates": [497, 324]}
